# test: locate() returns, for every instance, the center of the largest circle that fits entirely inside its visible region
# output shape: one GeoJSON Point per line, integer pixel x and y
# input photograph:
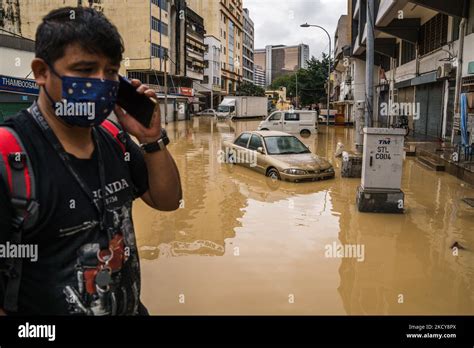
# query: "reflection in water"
{"type": "Point", "coordinates": [270, 240]}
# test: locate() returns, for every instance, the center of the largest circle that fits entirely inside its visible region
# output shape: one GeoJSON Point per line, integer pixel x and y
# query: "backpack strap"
{"type": "Point", "coordinates": [17, 173]}
{"type": "Point", "coordinates": [116, 132]}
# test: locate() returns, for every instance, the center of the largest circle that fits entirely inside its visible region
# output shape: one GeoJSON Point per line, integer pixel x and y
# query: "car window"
{"type": "Point", "coordinates": [242, 140]}
{"type": "Point", "coordinates": [284, 145]}
{"type": "Point", "coordinates": [292, 116]}
{"type": "Point", "coordinates": [255, 142]}
{"type": "Point", "coordinates": [275, 117]}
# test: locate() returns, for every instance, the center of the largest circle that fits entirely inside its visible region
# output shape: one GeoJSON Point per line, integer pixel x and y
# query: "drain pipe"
{"type": "Point", "coordinates": [457, 94]}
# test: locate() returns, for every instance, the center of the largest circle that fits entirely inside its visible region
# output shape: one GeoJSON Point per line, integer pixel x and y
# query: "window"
{"type": "Point", "coordinates": [434, 34]}
{"type": "Point", "coordinates": [275, 117]}
{"type": "Point", "coordinates": [456, 23]}
{"type": "Point", "coordinates": [291, 116]}
{"type": "Point", "coordinates": [408, 52]}
{"type": "Point", "coordinates": [243, 140]}
{"type": "Point", "coordinates": [159, 26]}
{"type": "Point", "coordinates": [158, 51]}
{"type": "Point", "coordinates": [255, 142]}
{"type": "Point", "coordinates": [161, 4]}
{"type": "Point", "coordinates": [205, 80]}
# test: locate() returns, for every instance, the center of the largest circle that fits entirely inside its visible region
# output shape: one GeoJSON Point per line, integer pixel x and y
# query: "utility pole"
{"type": "Point", "coordinates": [297, 101]}
{"type": "Point", "coordinates": [329, 86]}
{"type": "Point", "coordinates": [369, 67]}
{"type": "Point", "coordinates": [166, 87]}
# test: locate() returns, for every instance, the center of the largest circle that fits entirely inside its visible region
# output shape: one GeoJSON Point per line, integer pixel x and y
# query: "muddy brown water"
{"type": "Point", "coordinates": [240, 245]}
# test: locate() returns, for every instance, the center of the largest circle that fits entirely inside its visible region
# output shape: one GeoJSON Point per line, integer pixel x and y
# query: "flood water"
{"type": "Point", "coordinates": [242, 246]}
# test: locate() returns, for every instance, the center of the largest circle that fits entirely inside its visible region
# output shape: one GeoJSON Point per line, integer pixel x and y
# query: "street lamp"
{"type": "Point", "coordinates": [306, 25]}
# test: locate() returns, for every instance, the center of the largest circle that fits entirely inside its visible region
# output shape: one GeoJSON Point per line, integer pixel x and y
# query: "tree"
{"type": "Point", "coordinates": [250, 89]}
{"type": "Point", "coordinates": [311, 81]}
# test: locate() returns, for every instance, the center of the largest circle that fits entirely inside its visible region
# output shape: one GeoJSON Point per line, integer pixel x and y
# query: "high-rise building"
{"type": "Point", "coordinates": [248, 43]}
{"type": "Point", "coordinates": [224, 20]}
{"type": "Point", "coordinates": [279, 60]}
{"type": "Point", "coordinates": [153, 36]}
{"type": "Point", "coordinates": [259, 76]}
{"type": "Point", "coordinates": [195, 46]}
{"type": "Point", "coordinates": [210, 87]}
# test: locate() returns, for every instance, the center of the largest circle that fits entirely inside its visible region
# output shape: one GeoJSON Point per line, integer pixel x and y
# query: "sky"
{"type": "Point", "coordinates": [278, 22]}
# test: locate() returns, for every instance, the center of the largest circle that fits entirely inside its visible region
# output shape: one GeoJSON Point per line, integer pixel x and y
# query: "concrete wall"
{"type": "Point", "coordinates": [16, 63]}
{"type": "Point", "coordinates": [468, 52]}
{"type": "Point", "coordinates": [132, 19]}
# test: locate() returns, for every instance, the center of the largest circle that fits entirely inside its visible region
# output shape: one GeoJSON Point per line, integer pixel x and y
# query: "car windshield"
{"type": "Point", "coordinates": [223, 108]}
{"type": "Point", "coordinates": [284, 145]}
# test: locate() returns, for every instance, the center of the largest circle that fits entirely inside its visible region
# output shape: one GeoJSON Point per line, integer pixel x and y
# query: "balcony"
{"type": "Point", "coordinates": [388, 11]}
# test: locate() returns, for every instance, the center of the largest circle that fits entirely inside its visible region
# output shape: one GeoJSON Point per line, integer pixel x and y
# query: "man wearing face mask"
{"type": "Point", "coordinates": [85, 172]}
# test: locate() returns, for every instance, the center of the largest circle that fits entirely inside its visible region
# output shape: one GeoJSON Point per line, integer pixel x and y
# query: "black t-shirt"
{"type": "Point", "coordinates": [72, 249]}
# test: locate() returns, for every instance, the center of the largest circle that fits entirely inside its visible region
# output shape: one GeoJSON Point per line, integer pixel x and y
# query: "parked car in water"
{"type": "Point", "coordinates": [302, 122]}
{"type": "Point", "coordinates": [277, 155]}
{"type": "Point", "coordinates": [207, 112]}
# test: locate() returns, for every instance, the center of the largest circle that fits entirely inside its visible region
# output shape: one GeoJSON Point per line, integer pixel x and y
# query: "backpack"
{"type": "Point", "coordinates": [17, 173]}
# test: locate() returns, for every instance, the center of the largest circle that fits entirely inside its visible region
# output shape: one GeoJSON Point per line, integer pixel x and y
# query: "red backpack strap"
{"type": "Point", "coordinates": [17, 173]}
{"type": "Point", "coordinates": [116, 132]}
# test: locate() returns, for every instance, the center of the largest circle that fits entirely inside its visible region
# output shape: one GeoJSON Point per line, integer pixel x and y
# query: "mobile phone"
{"type": "Point", "coordinates": [135, 104]}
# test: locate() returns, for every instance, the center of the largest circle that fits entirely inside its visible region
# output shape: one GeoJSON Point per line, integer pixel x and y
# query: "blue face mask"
{"type": "Point", "coordinates": [85, 102]}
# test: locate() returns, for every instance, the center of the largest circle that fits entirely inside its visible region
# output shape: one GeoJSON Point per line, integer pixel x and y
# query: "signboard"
{"type": "Point", "coordinates": [17, 85]}
{"type": "Point", "coordinates": [186, 91]}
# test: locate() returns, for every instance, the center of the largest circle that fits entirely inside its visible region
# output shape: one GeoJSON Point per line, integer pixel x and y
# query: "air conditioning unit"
{"type": "Point", "coordinates": [445, 71]}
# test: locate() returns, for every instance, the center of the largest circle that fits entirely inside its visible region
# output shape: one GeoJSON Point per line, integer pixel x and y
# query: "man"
{"type": "Point", "coordinates": [87, 260]}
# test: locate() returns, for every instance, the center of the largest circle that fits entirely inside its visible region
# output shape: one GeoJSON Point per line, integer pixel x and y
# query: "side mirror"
{"type": "Point", "coordinates": [260, 150]}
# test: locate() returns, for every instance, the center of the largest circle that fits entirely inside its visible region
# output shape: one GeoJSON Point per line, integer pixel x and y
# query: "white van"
{"type": "Point", "coordinates": [303, 122]}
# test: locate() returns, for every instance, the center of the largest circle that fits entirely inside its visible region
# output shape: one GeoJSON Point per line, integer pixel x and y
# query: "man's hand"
{"type": "Point", "coordinates": [164, 192]}
{"type": "Point", "coordinates": [135, 128]}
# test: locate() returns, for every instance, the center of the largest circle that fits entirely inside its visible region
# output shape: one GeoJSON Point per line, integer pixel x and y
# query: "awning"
{"type": "Point", "coordinates": [424, 79]}
{"type": "Point", "coordinates": [419, 80]}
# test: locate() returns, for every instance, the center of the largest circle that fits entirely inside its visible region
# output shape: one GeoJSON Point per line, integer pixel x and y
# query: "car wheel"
{"type": "Point", "coordinates": [273, 174]}
{"type": "Point", "coordinates": [305, 133]}
{"type": "Point", "coordinates": [264, 129]}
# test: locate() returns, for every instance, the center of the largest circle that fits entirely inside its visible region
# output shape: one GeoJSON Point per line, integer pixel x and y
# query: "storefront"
{"type": "Point", "coordinates": [15, 94]}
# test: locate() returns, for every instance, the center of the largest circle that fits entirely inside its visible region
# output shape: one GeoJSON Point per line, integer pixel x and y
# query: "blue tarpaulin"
{"type": "Point", "coordinates": [464, 135]}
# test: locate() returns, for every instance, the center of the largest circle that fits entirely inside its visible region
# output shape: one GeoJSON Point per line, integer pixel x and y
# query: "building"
{"type": "Point", "coordinates": [195, 49]}
{"type": "Point", "coordinates": [224, 20]}
{"type": "Point", "coordinates": [195, 46]}
{"type": "Point", "coordinates": [17, 88]}
{"type": "Point", "coordinates": [259, 76]}
{"type": "Point", "coordinates": [210, 87]}
{"type": "Point", "coordinates": [417, 57]}
{"type": "Point", "coordinates": [10, 20]}
{"type": "Point", "coordinates": [280, 60]}
{"type": "Point", "coordinates": [348, 75]}
{"type": "Point", "coordinates": [248, 47]}
{"type": "Point", "coordinates": [154, 37]}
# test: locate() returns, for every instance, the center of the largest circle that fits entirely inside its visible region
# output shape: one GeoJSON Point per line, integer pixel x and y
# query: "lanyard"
{"type": "Point", "coordinates": [98, 203]}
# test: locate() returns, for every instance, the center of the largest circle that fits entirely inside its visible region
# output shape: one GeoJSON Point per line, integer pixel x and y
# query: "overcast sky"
{"type": "Point", "coordinates": [278, 22]}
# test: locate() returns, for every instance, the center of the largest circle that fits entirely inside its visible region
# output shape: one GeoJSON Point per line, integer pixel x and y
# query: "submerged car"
{"type": "Point", "coordinates": [277, 155]}
{"type": "Point", "coordinates": [207, 112]}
